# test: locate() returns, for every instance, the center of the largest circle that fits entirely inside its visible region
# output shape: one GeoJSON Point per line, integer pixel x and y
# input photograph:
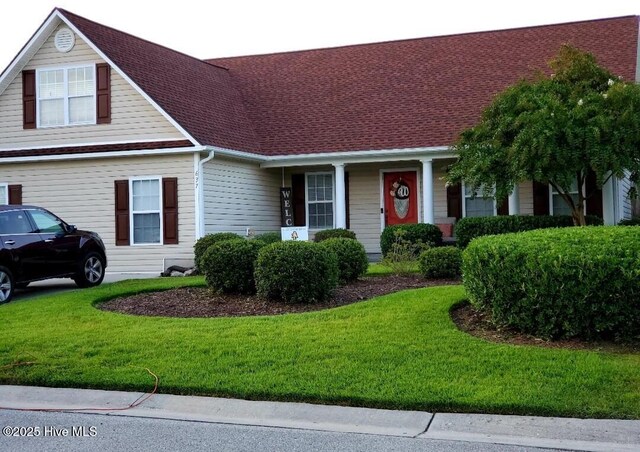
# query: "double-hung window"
{"type": "Point", "coordinates": [477, 205]}
{"type": "Point", "coordinates": [66, 96]}
{"type": "Point", "coordinates": [558, 205]}
{"type": "Point", "coordinates": [146, 196]}
{"type": "Point", "coordinates": [4, 194]}
{"type": "Point", "coordinates": [320, 200]}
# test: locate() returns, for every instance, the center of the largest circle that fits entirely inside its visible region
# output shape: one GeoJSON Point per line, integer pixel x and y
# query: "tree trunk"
{"type": "Point", "coordinates": [578, 216]}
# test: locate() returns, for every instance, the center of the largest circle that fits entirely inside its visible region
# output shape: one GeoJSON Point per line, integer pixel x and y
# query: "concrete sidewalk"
{"type": "Point", "coordinates": [558, 433]}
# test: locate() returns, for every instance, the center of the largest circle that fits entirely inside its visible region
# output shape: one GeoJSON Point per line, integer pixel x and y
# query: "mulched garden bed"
{"type": "Point", "coordinates": [477, 323]}
{"type": "Point", "coordinates": [203, 302]}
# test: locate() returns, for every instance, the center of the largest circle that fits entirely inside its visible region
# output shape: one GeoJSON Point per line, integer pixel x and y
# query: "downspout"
{"type": "Point", "coordinates": [198, 164]}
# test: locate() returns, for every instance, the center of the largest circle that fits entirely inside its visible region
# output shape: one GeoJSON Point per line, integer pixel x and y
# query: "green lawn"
{"type": "Point", "coordinates": [396, 351]}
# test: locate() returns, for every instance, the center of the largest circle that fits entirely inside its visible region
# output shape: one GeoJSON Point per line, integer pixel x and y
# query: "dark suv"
{"type": "Point", "coordinates": [36, 245]}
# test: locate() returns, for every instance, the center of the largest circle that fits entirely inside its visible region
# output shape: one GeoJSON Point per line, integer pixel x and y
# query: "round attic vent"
{"type": "Point", "coordinates": [65, 40]}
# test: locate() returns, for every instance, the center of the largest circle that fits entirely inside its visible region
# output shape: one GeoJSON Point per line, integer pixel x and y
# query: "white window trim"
{"type": "Point", "coordinates": [159, 211]}
{"type": "Point", "coordinates": [553, 192]}
{"type": "Point", "coordinates": [465, 197]}
{"type": "Point", "coordinates": [65, 97]}
{"type": "Point", "coordinates": [306, 198]}
{"type": "Point", "coordinates": [6, 194]}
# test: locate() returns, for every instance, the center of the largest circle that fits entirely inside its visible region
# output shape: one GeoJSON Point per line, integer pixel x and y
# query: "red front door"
{"type": "Point", "coordinates": [400, 197]}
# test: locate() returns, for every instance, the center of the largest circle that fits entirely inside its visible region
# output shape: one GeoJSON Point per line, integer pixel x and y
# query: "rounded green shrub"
{"type": "Point", "coordinates": [441, 262]}
{"type": "Point", "coordinates": [467, 229]}
{"type": "Point", "coordinates": [297, 272]}
{"type": "Point", "coordinates": [228, 266]}
{"type": "Point", "coordinates": [327, 234]}
{"type": "Point", "coordinates": [206, 241]}
{"type": "Point", "coordinates": [352, 258]}
{"type": "Point", "coordinates": [268, 237]}
{"type": "Point", "coordinates": [555, 283]}
{"type": "Point", "coordinates": [418, 235]}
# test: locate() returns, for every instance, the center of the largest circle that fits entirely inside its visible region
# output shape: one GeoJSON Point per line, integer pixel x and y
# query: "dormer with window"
{"type": "Point", "coordinates": [77, 94]}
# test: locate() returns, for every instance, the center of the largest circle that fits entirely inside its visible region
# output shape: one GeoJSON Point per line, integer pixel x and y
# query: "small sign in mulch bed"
{"type": "Point", "coordinates": [204, 302]}
{"type": "Point", "coordinates": [478, 323]}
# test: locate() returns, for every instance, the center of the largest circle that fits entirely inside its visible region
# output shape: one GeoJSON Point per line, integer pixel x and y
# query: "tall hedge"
{"type": "Point", "coordinates": [554, 283]}
{"type": "Point", "coordinates": [415, 234]}
{"type": "Point", "coordinates": [469, 228]}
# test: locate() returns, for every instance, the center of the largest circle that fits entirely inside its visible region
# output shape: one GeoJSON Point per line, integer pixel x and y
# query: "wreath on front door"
{"type": "Point", "coordinates": [400, 191]}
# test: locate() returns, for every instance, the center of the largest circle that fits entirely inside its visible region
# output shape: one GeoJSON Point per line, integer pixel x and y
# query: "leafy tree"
{"type": "Point", "coordinates": [554, 129]}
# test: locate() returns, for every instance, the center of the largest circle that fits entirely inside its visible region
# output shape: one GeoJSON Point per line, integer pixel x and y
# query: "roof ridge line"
{"type": "Point", "coordinates": [393, 41]}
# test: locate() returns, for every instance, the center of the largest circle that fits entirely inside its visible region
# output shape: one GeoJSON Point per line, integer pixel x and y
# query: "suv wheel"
{"type": "Point", "coordinates": [7, 285]}
{"type": "Point", "coordinates": [90, 271]}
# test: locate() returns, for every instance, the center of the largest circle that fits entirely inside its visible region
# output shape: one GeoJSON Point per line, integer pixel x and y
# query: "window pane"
{"type": "Point", "coordinates": [146, 228]}
{"type": "Point", "coordinates": [560, 207]}
{"type": "Point", "coordinates": [3, 195]}
{"type": "Point", "coordinates": [46, 222]}
{"type": "Point", "coordinates": [479, 207]}
{"type": "Point", "coordinates": [146, 195]}
{"type": "Point", "coordinates": [81, 110]}
{"type": "Point", "coordinates": [51, 84]}
{"type": "Point", "coordinates": [52, 112]}
{"type": "Point", "coordinates": [14, 222]}
{"type": "Point", "coordinates": [81, 82]}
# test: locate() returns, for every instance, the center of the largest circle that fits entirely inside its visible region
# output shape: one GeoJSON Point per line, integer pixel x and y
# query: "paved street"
{"type": "Point", "coordinates": [142, 434]}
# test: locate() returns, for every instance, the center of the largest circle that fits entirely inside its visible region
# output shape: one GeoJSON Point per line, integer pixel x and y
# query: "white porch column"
{"type": "Point", "coordinates": [609, 201]}
{"type": "Point", "coordinates": [427, 190]}
{"type": "Point", "coordinates": [341, 206]}
{"type": "Point", "coordinates": [514, 201]}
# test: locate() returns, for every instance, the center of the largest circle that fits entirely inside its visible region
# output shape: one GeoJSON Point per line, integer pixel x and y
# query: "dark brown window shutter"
{"type": "Point", "coordinates": [298, 195]}
{"type": "Point", "coordinates": [170, 210]}
{"type": "Point", "coordinates": [346, 199]}
{"type": "Point", "coordinates": [540, 198]}
{"type": "Point", "coordinates": [503, 207]}
{"type": "Point", "coordinates": [454, 201]}
{"type": "Point", "coordinates": [103, 93]}
{"type": "Point", "coordinates": [122, 212]}
{"type": "Point", "coordinates": [594, 202]}
{"type": "Point", "coordinates": [29, 99]}
{"type": "Point", "coordinates": [15, 194]}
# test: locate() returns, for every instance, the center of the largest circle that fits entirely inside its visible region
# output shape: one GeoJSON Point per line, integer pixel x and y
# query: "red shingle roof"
{"type": "Point", "coordinates": [403, 94]}
{"type": "Point", "coordinates": [200, 96]}
{"type": "Point", "coordinates": [392, 95]}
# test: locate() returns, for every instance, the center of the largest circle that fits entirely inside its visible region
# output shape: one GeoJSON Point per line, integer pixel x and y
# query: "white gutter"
{"type": "Point", "coordinates": [199, 190]}
{"type": "Point", "coordinates": [372, 156]}
{"type": "Point", "coordinates": [243, 155]}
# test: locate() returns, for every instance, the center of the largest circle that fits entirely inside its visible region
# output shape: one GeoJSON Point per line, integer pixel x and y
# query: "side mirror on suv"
{"type": "Point", "coordinates": [71, 228]}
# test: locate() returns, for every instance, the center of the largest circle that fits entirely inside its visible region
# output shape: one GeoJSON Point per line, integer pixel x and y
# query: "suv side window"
{"type": "Point", "coordinates": [46, 223]}
{"type": "Point", "coordinates": [14, 222]}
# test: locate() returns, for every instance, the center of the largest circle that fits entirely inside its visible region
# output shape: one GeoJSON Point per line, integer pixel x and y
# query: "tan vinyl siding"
{"type": "Point", "coordinates": [526, 198]}
{"type": "Point", "coordinates": [82, 193]}
{"type": "Point", "coordinates": [626, 204]}
{"type": "Point", "coordinates": [240, 195]}
{"type": "Point", "coordinates": [133, 118]}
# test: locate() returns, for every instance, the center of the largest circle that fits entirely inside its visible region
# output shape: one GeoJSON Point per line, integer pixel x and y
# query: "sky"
{"type": "Point", "coordinates": [221, 28]}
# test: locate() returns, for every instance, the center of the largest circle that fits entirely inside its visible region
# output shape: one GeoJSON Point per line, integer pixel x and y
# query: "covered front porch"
{"type": "Point", "coordinates": [367, 195]}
